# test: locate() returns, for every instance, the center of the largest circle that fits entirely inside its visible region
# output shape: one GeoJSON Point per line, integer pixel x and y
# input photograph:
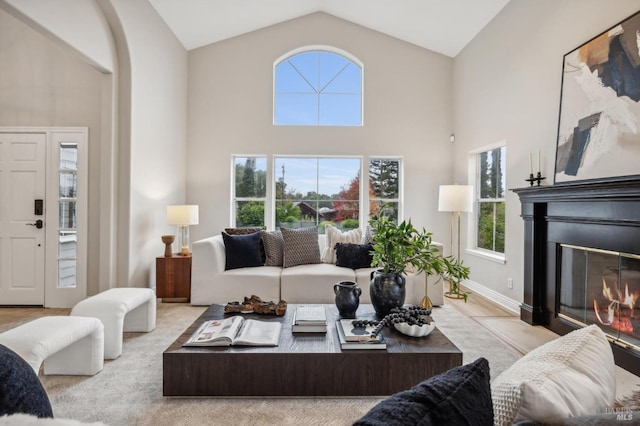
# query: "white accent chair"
{"type": "Point", "coordinates": [66, 345]}
{"type": "Point", "coordinates": [120, 310]}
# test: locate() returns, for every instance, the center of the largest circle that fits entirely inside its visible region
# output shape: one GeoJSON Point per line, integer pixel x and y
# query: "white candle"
{"type": "Point", "coordinates": [530, 164]}
{"type": "Point", "coordinates": [538, 160]}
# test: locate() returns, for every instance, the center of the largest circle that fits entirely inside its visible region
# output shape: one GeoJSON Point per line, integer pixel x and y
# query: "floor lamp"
{"type": "Point", "coordinates": [182, 217]}
{"type": "Point", "coordinates": [455, 199]}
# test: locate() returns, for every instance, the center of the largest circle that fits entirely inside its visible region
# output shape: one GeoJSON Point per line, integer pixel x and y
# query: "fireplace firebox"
{"type": "Point", "coordinates": [582, 260]}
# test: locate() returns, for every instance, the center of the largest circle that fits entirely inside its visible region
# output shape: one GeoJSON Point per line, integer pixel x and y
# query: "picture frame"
{"type": "Point", "coordinates": [599, 119]}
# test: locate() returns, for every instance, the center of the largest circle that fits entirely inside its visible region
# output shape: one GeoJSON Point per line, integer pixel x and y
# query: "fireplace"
{"type": "Point", "coordinates": [582, 260]}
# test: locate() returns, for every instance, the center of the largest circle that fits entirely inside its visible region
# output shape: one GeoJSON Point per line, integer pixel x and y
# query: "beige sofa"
{"type": "Point", "coordinates": [210, 283]}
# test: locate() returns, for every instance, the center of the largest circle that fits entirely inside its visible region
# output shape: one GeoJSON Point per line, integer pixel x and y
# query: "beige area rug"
{"type": "Point", "coordinates": [129, 389]}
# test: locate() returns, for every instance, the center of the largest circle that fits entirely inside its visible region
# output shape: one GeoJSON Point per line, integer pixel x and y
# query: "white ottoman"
{"type": "Point", "coordinates": [120, 309]}
{"type": "Point", "coordinates": [67, 345]}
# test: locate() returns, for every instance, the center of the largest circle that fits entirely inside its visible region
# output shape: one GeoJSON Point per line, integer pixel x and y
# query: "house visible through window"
{"type": "Point", "coordinates": [318, 88]}
{"type": "Point", "coordinates": [313, 191]}
{"type": "Point", "coordinates": [491, 199]}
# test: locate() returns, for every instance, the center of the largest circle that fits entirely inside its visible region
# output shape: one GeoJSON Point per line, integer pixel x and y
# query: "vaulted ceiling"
{"type": "Point", "coordinates": [444, 26]}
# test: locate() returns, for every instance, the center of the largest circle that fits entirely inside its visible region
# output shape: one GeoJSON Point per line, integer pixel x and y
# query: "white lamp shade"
{"type": "Point", "coordinates": [455, 198]}
{"type": "Point", "coordinates": [182, 215]}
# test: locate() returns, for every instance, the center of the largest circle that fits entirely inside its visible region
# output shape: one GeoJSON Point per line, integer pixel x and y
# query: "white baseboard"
{"type": "Point", "coordinates": [500, 299]}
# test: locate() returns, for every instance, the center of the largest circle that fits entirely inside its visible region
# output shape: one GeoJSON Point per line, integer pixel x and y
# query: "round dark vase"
{"type": "Point", "coordinates": [347, 298]}
{"type": "Point", "coordinates": [387, 291]}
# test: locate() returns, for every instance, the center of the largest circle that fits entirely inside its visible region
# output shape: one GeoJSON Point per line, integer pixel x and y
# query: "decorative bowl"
{"type": "Point", "coordinates": [414, 330]}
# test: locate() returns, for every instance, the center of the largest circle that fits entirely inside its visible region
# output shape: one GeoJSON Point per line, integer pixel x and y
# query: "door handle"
{"type": "Point", "coordinates": [39, 224]}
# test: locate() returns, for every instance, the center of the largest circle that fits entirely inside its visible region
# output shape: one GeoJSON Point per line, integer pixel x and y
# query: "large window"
{"type": "Point", "coordinates": [318, 88]}
{"type": "Point", "coordinates": [250, 190]}
{"type": "Point", "coordinates": [491, 199]}
{"type": "Point", "coordinates": [314, 191]}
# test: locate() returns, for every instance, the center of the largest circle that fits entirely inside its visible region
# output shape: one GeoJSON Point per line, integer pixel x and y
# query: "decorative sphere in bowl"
{"type": "Point", "coordinates": [414, 330]}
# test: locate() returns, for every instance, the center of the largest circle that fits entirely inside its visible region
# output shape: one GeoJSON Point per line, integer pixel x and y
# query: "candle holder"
{"type": "Point", "coordinates": [538, 178]}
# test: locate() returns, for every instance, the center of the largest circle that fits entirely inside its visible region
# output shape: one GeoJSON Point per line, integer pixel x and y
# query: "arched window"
{"type": "Point", "coordinates": [317, 87]}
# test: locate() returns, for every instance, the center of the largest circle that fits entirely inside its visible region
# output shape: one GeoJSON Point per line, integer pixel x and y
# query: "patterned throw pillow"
{"type": "Point", "coordinates": [571, 376]}
{"type": "Point", "coordinates": [300, 246]}
{"type": "Point", "coordinates": [273, 247]}
{"type": "Point", "coordinates": [353, 256]}
{"type": "Point", "coordinates": [334, 236]}
{"type": "Point", "coordinates": [367, 235]}
{"type": "Point", "coordinates": [245, 230]}
{"type": "Point", "coordinates": [460, 396]}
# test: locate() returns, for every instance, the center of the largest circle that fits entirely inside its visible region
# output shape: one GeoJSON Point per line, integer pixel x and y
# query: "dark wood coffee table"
{"type": "Point", "coordinates": [304, 364]}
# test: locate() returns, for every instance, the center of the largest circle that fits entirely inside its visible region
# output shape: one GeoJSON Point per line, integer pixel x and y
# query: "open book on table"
{"type": "Point", "coordinates": [237, 331]}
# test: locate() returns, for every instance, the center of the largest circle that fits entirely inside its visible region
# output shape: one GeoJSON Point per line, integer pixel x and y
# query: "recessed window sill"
{"type": "Point", "coordinates": [488, 255]}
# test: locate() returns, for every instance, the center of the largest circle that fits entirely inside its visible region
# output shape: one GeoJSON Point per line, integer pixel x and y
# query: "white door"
{"type": "Point", "coordinates": [22, 251]}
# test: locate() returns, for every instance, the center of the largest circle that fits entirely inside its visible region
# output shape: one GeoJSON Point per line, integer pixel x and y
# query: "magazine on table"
{"type": "Point", "coordinates": [347, 330]}
{"type": "Point", "coordinates": [236, 331]}
{"type": "Point", "coordinates": [309, 315]}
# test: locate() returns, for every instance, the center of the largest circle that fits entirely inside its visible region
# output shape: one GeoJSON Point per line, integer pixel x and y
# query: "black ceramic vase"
{"type": "Point", "coordinates": [387, 291]}
{"type": "Point", "coordinates": [347, 298]}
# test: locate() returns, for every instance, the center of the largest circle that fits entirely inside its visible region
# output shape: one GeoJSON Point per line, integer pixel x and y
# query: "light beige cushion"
{"type": "Point", "coordinates": [573, 375]}
{"type": "Point", "coordinates": [273, 247]}
{"type": "Point", "coordinates": [334, 236]}
{"type": "Point", "coordinates": [300, 246]}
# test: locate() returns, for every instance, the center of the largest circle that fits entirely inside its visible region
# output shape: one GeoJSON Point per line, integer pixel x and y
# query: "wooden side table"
{"type": "Point", "coordinates": [173, 278]}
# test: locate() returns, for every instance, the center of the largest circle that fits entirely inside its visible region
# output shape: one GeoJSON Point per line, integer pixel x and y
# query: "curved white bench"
{"type": "Point", "coordinates": [120, 310]}
{"type": "Point", "coordinates": [66, 345]}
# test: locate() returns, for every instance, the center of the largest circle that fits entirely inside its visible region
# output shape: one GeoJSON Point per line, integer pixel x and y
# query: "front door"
{"type": "Point", "coordinates": [22, 251]}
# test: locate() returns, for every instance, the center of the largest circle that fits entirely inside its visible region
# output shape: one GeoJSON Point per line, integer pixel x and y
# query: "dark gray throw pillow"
{"type": "Point", "coordinates": [242, 250]}
{"type": "Point", "coordinates": [20, 388]}
{"type": "Point", "coordinates": [300, 246]}
{"type": "Point", "coordinates": [353, 256]}
{"type": "Point", "coordinates": [460, 396]}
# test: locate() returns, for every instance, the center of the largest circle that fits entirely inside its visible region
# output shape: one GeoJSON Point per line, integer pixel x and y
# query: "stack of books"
{"type": "Point", "coordinates": [352, 337]}
{"type": "Point", "coordinates": [309, 319]}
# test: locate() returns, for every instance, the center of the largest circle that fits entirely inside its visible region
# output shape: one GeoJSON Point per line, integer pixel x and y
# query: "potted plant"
{"type": "Point", "coordinates": [397, 247]}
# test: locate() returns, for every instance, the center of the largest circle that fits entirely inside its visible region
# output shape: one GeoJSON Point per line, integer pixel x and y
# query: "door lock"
{"type": "Point", "coordinates": [38, 224]}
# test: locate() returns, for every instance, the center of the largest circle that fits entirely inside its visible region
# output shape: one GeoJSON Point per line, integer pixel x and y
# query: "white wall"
{"type": "Point", "coordinates": [156, 155]}
{"type": "Point", "coordinates": [407, 112]}
{"type": "Point", "coordinates": [78, 23]}
{"type": "Point", "coordinates": [507, 86]}
{"type": "Point", "coordinates": [47, 85]}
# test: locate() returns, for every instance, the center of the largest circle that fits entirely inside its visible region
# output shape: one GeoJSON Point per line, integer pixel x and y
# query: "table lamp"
{"type": "Point", "coordinates": [182, 216]}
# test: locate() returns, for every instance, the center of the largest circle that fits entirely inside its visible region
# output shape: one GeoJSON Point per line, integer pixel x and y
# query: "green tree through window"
{"type": "Point", "coordinates": [491, 200]}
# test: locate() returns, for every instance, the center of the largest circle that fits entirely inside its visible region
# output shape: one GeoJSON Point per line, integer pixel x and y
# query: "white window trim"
{"type": "Point", "coordinates": [323, 48]}
{"type": "Point", "coordinates": [472, 228]}
{"type": "Point", "coordinates": [232, 189]}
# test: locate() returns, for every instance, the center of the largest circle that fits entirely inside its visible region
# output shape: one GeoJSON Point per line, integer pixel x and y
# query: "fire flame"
{"type": "Point", "coordinates": [613, 317]}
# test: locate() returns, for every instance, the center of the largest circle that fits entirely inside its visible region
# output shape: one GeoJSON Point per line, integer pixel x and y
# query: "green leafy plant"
{"type": "Point", "coordinates": [396, 247]}
{"type": "Point", "coordinates": [455, 272]}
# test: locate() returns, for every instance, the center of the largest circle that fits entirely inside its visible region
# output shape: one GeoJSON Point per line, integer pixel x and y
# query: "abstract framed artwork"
{"type": "Point", "coordinates": [599, 124]}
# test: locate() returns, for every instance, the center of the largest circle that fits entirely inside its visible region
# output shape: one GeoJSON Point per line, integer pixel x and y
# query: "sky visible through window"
{"type": "Point", "coordinates": [318, 88]}
{"type": "Point", "coordinates": [325, 175]}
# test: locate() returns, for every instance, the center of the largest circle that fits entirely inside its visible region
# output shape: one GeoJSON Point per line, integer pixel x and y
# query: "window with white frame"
{"type": "Point", "coordinates": [249, 190]}
{"type": "Point", "coordinates": [313, 191]}
{"type": "Point", "coordinates": [384, 186]}
{"type": "Point", "coordinates": [490, 184]}
{"type": "Point", "coordinates": [318, 87]}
